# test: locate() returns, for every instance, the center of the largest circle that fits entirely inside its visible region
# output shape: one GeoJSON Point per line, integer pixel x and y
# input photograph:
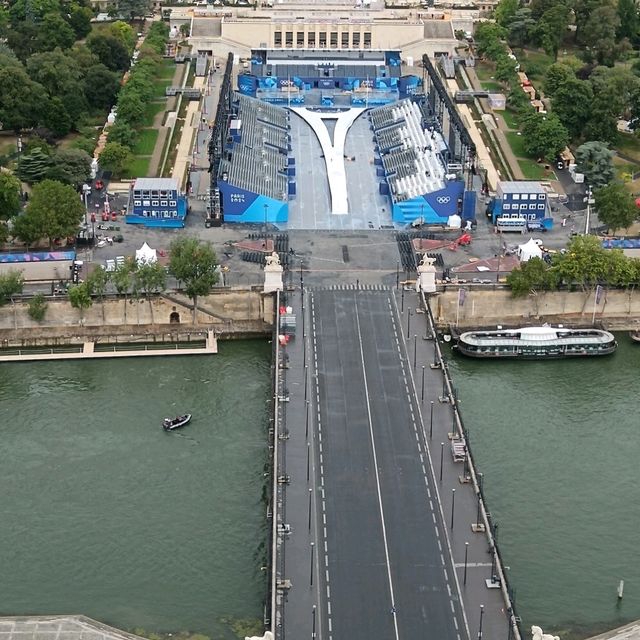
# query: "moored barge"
{"type": "Point", "coordinates": [536, 343]}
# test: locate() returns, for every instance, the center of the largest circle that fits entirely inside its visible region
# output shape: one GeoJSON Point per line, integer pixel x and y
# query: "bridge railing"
{"type": "Point", "coordinates": [490, 527]}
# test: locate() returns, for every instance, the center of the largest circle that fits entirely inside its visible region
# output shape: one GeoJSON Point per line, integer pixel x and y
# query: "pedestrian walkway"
{"type": "Point", "coordinates": [59, 628]}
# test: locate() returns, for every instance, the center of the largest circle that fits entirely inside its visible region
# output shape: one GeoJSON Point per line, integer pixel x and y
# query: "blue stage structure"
{"type": "Point", "coordinates": [412, 159]}
{"type": "Point", "coordinates": [156, 202]}
{"type": "Point", "coordinates": [363, 78]}
{"type": "Point", "coordinates": [256, 177]}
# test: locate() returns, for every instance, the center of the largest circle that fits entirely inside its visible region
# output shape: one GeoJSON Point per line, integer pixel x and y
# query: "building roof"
{"type": "Point", "coordinates": [521, 186]}
{"type": "Point", "coordinates": [155, 184]}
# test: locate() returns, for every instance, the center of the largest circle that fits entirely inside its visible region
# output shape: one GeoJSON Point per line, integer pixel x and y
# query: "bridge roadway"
{"type": "Point", "coordinates": [370, 544]}
{"type": "Point", "coordinates": [390, 574]}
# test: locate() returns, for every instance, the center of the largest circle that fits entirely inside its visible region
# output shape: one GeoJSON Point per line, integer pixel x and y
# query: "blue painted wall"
{"type": "Point", "coordinates": [240, 205]}
{"type": "Point", "coordinates": [434, 207]}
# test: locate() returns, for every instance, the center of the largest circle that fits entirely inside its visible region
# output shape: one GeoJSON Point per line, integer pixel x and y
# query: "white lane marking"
{"type": "Point", "coordinates": [375, 466]}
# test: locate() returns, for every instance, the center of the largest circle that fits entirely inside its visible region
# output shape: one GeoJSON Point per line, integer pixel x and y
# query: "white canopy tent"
{"type": "Point", "coordinates": [530, 249]}
{"type": "Point", "coordinates": [146, 255]}
{"type": "Point", "coordinates": [454, 222]}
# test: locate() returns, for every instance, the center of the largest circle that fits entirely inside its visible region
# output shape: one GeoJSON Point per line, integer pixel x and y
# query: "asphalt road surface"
{"type": "Point", "coordinates": [383, 559]}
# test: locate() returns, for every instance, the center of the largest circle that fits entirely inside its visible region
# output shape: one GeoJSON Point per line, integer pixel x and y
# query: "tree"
{"type": "Point", "coordinates": [599, 36]}
{"type": "Point", "coordinates": [70, 166]}
{"type": "Point", "coordinates": [506, 70]}
{"type": "Point", "coordinates": [629, 20]}
{"type": "Point", "coordinates": [97, 282]}
{"type": "Point", "coordinates": [488, 37]}
{"type": "Point", "coordinates": [125, 33]}
{"type": "Point", "coordinates": [584, 263]}
{"type": "Point", "coordinates": [185, 30]}
{"type": "Point", "coordinates": [552, 28]}
{"type": "Point", "coordinates": [521, 27]}
{"type": "Point", "coordinates": [57, 119]}
{"type": "Point", "coordinates": [9, 195]}
{"type": "Point", "coordinates": [11, 283]}
{"type": "Point", "coordinates": [555, 77]}
{"type": "Point", "coordinates": [23, 103]}
{"type": "Point", "coordinates": [54, 32]}
{"type": "Point", "coordinates": [505, 11]}
{"type": "Point", "coordinates": [37, 307]}
{"type": "Point", "coordinates": [540, 7]}
{"type": "Point", "coordinates": [55, 210]}
{"type": "Point", "coordinates": [122, 281]}
{"type": "Point", "coordinates": [134, 8]}
{"type": "Point", "coordinates": [583, 10]}
{"type": "Point", "coordinates": [115, 157]}
{"type": "Point", "coordinates": [109, 50]}
{"type": "Point", "coordinates": [531, 276]}
{"type": "Point", "coordinates": [34, 166]}
{"type": "Point", "coordinates": [595, 160]}
{"type": "Point", "coordinates": [616, 206]}
{"type": "Point", "coordinates": [544, 136]}
{"type": "Point", "coordinates": [131, 108]}
{"type": "Point", "coordinates": [123, 134]}
{"type": "Point", "coordinates": [150, 278]}
{"type": "Point", "coordinates": [80, 21]}
{"type": "Point", "coordinates": [572, 103]}
{"type": "Point", "coordinates": [80, 298]}
{"type": "Point", "coordinates": [195, 264]}
{"type": "Point", "coordinates": [101, 86]}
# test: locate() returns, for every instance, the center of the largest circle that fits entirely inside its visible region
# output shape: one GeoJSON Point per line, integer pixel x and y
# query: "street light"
{"type": "Point", "coordinates": [481, 616]}
{"type": "Point", "coordinates": [266, 210]}
{"type": "Point", "coordinates": [19, 145]}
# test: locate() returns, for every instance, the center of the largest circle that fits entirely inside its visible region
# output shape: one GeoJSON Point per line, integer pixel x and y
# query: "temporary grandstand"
{"type": "Point", "coordinates": [253, 174]}
{"type": "Point", "coordinates": [413, 161]}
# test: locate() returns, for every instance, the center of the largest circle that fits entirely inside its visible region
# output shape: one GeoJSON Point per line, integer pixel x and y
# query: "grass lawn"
{"type": "Point", "coordinates": [532, 170]}
{"type": "Point", "coordinates": [629, 145]}
{"type": "Point", "coordinates": [484, 71]}
{"type": "Point", "coordinates": [493, 87]}
{"type": "Point", "coordinates": [517, 143]}
{"type": "Point", "coordinates": [167, 69]}
{"type": "Point", "coordinates": [159, 86]}
{"type": "Point", "coordinates": [146, 142]}
{"type": "Point", "coordinates": [510, 118]}
{"type": "Point", "coordinates": [151, 110]}
{"type": "Point", "coordinates": [139, 168]}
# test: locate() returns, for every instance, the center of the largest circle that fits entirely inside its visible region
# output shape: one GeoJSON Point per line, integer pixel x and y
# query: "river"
{"type": "Point", "coordinates": [559, 445]}
{"type": "Point", "coordinates": [105, 514]}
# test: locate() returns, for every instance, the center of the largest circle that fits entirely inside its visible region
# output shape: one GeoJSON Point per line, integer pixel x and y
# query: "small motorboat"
{"type": "Point", "coordinates": [169, 424]}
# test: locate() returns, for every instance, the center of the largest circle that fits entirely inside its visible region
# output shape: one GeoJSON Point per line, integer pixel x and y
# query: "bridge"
{"type": "Point", "coordinates": [380, 529]}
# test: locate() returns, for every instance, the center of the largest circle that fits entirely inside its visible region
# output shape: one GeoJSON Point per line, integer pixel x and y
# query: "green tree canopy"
{"type": "Point", "coordinates": [595, 160]}
{"type": "Point", "coordinates": [556, 76]}
{"type": "Point", "coordinates": [34, 166]}
{"type": "Point", "coordinates": [115, 157]}
{"type": "Point", "coordinates": [572, 103]}
{"type": "Point", "coordinates": [71, 166]}
{"type": "Point", "coordinates": [531, 276]}
{"type": "Point", "coordinates": [599, 36]}
{"type": "Point", "coordinates": [109, 50]}
{"type": "Point", "coordinates": [80, 20]}
{"type": "Point", "coordinates": [9, 195]}
{"type": "Point", "coordinates": [11, 283]}
{"type": "Point", "coordinates": [551, 29]}
{"type": "Point", "coordinates": [505, 11]}
{"type": "Point", "coordinates": [616, 206]}
{"type": "Point", "coordinates": [544, 136]}
{"type": "Point", "coordinates": [53, 32]}
{"type": "Point", "coordinates": [629, 20]}
{"type": "Point", "coordinates": [521, 27]}
{"type": "Point", "coordinates": [101, 86]}
{"type": "Point", "coordinates": [54, 210]}
{"type": "Point", "coordinates": [194, 263]}
{"type": "Point", "coordinates": [123, 134]}
{"type": "Point", "coordinates": [80, 297]}
{"type": "Point", "coordinates": [125, 33]}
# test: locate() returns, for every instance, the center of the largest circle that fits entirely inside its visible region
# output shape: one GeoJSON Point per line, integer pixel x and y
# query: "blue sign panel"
{"type": "Point", "coordinates": [247, 85]}
{"type": "Point", "coordinates": [235, 201]}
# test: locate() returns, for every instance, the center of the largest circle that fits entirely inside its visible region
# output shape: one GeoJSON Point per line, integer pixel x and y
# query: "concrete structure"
{"type": "Point", "coordinates": [273, 274]}
{"type": "Point", "coordinates": [156, 202]}
{"type": "Point", "coordinates": [60, 628]}
{"type": "Point", "coordinates": [315, 26]}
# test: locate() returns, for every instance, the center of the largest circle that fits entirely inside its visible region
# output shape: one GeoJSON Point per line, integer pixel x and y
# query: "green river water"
{"type": "Point", "coordinates": [559, 445]}
{"type": "Point", "coordinates": [105, 514]}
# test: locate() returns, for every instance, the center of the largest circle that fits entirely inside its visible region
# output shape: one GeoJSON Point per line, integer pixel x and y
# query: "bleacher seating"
{"type": "Point", "coordinates": [258, 162]}
{"type": "Point", "coordinates": [411, 156]}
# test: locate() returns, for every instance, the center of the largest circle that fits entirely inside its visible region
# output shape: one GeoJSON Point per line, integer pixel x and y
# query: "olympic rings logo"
{"type": "Point", "coordinates": [443, 199]}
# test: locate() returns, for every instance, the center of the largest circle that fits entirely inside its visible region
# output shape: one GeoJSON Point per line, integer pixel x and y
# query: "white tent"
{"type": "Point", "coordinates": [530, 249]}
{"type": "Point", "coordinates": [454, 222]}
{"type": "Point", "coordinates": [146, 255]}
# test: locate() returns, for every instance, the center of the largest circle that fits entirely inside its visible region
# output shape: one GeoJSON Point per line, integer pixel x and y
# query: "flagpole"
{"type": "Point", "coordinates": [458, 308]}
{"type": "Point", "coordinates": [595, 303]}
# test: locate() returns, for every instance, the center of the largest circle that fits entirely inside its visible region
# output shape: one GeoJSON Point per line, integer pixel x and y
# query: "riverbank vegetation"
{"type": "Point", "coordinates": [584, 265]}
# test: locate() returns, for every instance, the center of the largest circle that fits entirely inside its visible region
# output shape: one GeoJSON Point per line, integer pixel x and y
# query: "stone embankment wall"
{"type": "Point", "coordinates": [485, 307]}
{"type": "Point", "coordinates": [230, 313]}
